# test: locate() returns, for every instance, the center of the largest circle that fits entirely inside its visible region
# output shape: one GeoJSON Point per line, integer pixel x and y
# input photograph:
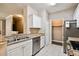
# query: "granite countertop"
{"type": "Point", "coordinates": [27, 35]}
{"type": "Point", "coordinates": [73, 39]}
{"type": "Point", "coordinates": [21, 37]}
{"type": "Point", "coordinates": [35, 35]}
{"type": "Point", "coordinates": [2, 41]}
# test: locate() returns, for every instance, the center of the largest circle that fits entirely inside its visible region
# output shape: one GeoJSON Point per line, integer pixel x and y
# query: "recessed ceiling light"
{"type": "Point", "coordinates": [52, 3]}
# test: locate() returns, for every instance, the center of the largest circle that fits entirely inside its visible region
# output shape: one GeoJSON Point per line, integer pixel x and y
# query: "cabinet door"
{"type": "Point", "coordinates": [42, 42]}
{"type": "Point", "coordinates": [15, 52]}
{"type": "Point", "coordinates": [8, 25]}
{"type": "Point", "coordinates": [0, 27]}
{"type": "Point", "coordinates": [28, 48]}
{"type": "Point", "coordinates": [36, 21]}
{"type": "Point", "coordinates": [77, 23]}
{"type": "Point", "coordinates": [76, 13]}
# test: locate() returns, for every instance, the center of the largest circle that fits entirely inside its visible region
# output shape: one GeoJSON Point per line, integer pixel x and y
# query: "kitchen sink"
{"type": "Point", "coordinates": [17, 38]}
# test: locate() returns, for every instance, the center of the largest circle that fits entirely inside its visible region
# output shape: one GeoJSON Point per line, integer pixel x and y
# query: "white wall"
{"type": "Point", "coordinates": [65, 14]}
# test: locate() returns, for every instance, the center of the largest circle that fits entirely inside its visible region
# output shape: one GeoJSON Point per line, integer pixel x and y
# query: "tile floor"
{"type": "Point", "coordinates": [51, 50]}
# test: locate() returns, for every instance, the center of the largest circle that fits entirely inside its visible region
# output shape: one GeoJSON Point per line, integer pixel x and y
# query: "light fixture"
{"type": "Point", "coordinates": [18, 15]}
{"type": "Point", "coordinates": [52, 4]}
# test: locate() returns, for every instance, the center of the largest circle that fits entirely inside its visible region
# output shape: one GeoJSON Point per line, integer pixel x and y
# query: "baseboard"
{"type": "Point", "coordinates": [57, 43]}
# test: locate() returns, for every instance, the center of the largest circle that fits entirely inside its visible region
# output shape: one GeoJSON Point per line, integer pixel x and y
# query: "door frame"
{"type": "Point", "coordinates": [51, 29]}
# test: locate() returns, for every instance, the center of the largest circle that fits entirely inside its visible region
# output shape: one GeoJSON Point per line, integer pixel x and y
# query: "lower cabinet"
{"type": "Point", "coordinates": [20, 49]}
{"type": "Point", "coordinates": [42, 42]}
{"type": "Point", "coordinates": [15, 52]}
{"type": "Point", "coordinates": [24, 48]}
{"type": "Point", "coordinates": [28, 49]}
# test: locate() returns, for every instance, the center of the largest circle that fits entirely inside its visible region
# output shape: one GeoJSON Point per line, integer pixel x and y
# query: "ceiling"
{"type": "Point", "coordinates": [40, 6]}
{"type": "Point", "coordinates": [52, 9]}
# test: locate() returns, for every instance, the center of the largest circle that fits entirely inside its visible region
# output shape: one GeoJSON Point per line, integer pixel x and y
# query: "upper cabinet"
{"type": "Point", "coordinates": [14, 24]}
{"type": "Point", "coordinates": [35, 21]}
{"type": "Point", "coordinates": [0, 26]}
{"type": "Point", "coordinates": [76, 15]}
{"type": "Point", "coordinates": [8, 25]}
{"type": "Point", "coordinates": [32, 20]}
{"type": "Point", "coordinates": [77, 23]}
{"type": "Point", "coordinates": [67, 24]}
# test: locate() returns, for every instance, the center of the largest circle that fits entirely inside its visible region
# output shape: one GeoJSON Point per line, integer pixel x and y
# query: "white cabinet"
{"type": "Point", "coordinates": [2, 26]}
{"type": "Point", "coordinates": [15, 52]}
{"type": "Point", "coordinates": [9, 25]}
{"type": "Point", "coordinates": [42, 41]}
{"type": "Point", "coordinates": [76, 15]}
{"type": "Point", "coordinates": [35, 21]}
{"type": "Point", "coordinates": [28, 48]}
{"type": "Point", "coordinates": [27, 51]}
{"type": "Point", "coordinates": [78, 23]}
{"type": "Point", "coordinates": [20, 49]}
{"type": "Point", "coordinates": [67, 24]}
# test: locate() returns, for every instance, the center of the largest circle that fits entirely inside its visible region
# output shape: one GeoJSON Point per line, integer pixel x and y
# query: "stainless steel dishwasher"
{"type": "Point", "coordinates": [36, 45]}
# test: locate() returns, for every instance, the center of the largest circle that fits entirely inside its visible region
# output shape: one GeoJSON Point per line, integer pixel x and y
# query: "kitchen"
{"type": "Point", "coordinates": [21, 40]}
{"type": "Point", "coordinates": [26, 29]}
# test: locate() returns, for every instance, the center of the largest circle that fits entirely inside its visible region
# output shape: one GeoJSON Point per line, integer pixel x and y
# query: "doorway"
{"type": "Point", "coordinates": [57, 31]}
